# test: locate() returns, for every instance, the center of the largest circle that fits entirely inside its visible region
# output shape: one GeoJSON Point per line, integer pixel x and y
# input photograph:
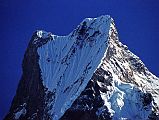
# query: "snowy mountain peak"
{"type": "Point", "coordinates": [77, 57]}
{"type": "Point", "coordinates": [93, 26]}
{"type": "Point", "coordinates": [87, 74]}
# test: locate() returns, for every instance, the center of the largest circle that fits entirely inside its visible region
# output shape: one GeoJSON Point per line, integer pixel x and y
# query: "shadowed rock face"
{"type": "Point", "coordinates": [119, 86]}
{"type": "Point", "coordinates": [89, 104]}
{"type": "Point", "coordinates": [30, 93]}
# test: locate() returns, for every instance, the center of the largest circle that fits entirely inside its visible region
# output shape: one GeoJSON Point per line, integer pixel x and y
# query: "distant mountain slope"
{"type": "Point", "coordinates": [87, 75]}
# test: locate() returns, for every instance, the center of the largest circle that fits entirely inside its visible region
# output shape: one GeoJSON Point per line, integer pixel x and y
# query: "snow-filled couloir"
{"type": "Point", "coordinates": [86, 75]}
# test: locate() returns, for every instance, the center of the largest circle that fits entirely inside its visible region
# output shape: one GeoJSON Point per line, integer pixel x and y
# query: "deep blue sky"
{"type": "Point", "coordinates": [137, 23]}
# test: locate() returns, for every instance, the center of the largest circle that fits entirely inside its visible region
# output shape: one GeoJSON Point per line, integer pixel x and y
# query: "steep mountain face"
{"type": "Point", "coordinates": [87, 75]}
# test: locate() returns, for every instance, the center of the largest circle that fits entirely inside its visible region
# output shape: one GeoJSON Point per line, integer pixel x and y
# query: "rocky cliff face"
{"type": "Point", "coordinates": [29, 98]}
{"type": "Point", "coordinates": [87, 75]}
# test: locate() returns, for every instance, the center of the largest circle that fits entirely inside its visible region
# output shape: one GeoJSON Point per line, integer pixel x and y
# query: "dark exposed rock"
{"type": "Point", "coordinates": [89, 105]}
{"type": "Point", "coordinates": [153, 116]}
{"type": "Point", "coordinates": [30, 91]}
{"type": "Point", "coordinates": [147, 98]}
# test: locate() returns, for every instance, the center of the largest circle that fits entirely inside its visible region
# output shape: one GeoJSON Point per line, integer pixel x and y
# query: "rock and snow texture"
{"type": "Point", "coordinates": [124, 85]}
{"type": "Point", "coordinates": [87, 75]}
{"type": "Point", "coordinates": [67, 63]}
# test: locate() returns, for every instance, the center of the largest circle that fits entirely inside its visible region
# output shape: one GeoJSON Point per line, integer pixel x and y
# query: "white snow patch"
{"type": "Point", "coordinates": [19, 113]}
{"type": "Point", "coordinates": [39, 34]}
{"type": "Point", "coordinates": [43, 34]}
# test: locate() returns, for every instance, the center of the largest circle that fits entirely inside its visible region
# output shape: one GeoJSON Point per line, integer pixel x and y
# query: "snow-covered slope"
{"type": "Point", "coordinates": [88, 74]}
{"type": "Point", "coordinates": [126, 87]}
{"type": "Point", "coordinates": [67, 63]}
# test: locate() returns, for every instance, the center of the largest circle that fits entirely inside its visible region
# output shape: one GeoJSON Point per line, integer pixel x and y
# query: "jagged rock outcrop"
{"type": "Point", "coordinates": [87, 75]}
